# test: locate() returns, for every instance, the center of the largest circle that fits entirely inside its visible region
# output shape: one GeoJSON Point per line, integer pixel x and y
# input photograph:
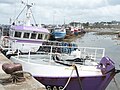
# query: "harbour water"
{"type": "Point", "coordinates": [112, 47]}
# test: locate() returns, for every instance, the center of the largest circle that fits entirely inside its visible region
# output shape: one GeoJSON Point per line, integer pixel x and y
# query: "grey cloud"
{"type": "Point", "coordinates": [83, 10]}
{"type": "Point", "coordinates": [7, 1]}
{"type": "Point", "coordinates": [71, 4]}
{"type": "Point", "coordinates": [113, 2]}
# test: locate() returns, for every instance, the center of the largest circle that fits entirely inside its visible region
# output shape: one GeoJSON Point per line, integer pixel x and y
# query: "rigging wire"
{"type": "Point", "coordinates": [20, 13]}
{"type": "Point", "coordinates": [33, 17]}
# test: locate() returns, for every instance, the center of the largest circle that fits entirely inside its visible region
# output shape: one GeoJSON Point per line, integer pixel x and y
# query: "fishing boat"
{"type": "Point", "coordinates": [76, 28]}
{"type": "Point", "coordinates": [59, 67]}
{"type": "Point", "coordinates": [82, 68]}
{"type": "Point", "coordinates": [24, 35]}
{"type": "Point", "coordinates": [59, 33]}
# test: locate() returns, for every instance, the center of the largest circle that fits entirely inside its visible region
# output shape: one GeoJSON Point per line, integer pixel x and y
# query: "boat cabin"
{"type": "Point", "coordinates": [25, 38]}
{"type": "Point", "coordinates": [29, 34]}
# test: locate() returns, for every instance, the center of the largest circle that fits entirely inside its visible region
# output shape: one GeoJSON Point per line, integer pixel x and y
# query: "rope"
{"type": "Point", "coordinates": [15, 77]}
{"type": "Point", "coordinates": [68, 80]}
{"type": "Point", "coordinates": [74, 67]}
{"type": "Point", "coordinates": [80, 83]}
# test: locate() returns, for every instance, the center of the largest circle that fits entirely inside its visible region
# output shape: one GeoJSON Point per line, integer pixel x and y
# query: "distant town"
{"type": "Point", "coordinates": [86, 25]}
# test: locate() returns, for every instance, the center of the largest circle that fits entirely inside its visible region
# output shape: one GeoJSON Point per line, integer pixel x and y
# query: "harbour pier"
{"type": "Point", "coordinates": [28, 84]}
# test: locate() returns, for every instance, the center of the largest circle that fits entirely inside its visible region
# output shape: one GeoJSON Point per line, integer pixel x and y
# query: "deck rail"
{"type": "Point", "coordinates": [91, 53]}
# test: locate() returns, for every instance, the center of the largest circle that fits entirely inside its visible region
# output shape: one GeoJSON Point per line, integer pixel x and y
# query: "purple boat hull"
{"type": "Point", "coordinates": [83, 83]}
{"type": "Point", "coordinates": [88, 83]}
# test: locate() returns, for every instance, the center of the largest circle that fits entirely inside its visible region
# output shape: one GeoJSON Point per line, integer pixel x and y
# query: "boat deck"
{"type": "Point", "coordinates": [86, 68]}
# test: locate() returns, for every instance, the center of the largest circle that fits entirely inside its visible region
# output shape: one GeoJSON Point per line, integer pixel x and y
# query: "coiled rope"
{"type": "Point", "coordinates": [16, 77]}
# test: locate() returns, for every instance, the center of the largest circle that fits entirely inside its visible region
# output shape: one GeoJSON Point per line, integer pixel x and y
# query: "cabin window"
{"type": "Point", "coordinates": [33, 35]}
{"type": "Point", "coordinates": [17, 34]}
{"type": "Point", "coordinates": [26, 35]}
{"type": "Point", "coordinates": [40, 36]}
{"type": "Point", "coordinates": [46, 36]}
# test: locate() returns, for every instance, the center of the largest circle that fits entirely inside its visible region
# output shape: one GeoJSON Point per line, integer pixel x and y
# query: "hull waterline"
{"type": "Point", "coordinates": [87, 83]}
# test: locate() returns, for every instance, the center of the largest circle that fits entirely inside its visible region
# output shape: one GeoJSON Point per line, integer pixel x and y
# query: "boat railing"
{"type": "Point", "coordinates": [92, 53]}
{"type": "Point", "coordinates": [86, 53]}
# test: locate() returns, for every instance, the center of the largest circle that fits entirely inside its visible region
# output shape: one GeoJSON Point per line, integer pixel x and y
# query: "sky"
{"type": "Point", "coordinates": [60, 11]}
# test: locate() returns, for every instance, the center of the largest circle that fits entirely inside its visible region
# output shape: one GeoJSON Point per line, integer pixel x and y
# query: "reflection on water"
{"type": "Point", "coordinates": [111, 45]}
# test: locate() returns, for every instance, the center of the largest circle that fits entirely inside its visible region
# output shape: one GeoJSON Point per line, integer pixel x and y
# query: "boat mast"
{"type": "Point", "coordinates": [28, 13]}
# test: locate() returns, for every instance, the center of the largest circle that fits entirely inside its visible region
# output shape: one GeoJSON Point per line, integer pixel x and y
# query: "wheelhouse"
{"type": "Point", "coordinates": [28, 35]}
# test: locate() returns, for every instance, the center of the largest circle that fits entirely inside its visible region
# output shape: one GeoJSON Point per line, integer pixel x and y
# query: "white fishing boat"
{"type": "Point", "coordinates": [82, 68]}
{"type": "Point", "coordinates": [23, 36]}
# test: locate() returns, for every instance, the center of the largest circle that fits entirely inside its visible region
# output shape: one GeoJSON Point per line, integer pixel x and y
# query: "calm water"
{"type": "Point", "coordinates": [112, 47]}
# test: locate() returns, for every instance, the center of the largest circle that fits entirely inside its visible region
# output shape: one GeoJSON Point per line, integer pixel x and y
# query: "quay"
{"type": "Point", "coordinates": [28, 84]}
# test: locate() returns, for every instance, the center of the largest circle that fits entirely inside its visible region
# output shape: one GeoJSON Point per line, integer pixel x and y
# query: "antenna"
{"type": "Point", "coordinates": [28, 13]}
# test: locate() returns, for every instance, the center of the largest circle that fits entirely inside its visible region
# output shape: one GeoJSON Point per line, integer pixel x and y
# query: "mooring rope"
{"type": "Point", "coordinates": [15, 77]}
{"type": "Point", "coordinates": [74, 68]}
{"type": "Point", "coordinates": [68, 79]}
{"type": "Point", "coordinates": [80, 83]}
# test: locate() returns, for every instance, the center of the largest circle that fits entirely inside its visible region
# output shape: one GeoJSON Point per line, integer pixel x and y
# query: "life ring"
{"type": "Point", "coordinates": [5, 41]}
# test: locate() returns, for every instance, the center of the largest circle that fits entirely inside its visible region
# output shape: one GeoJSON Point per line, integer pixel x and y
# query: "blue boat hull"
{"type": "Point", "coordinates": [59, 35]}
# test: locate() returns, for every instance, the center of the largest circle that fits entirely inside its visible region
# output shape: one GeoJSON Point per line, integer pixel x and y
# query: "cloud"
{"type": "Point", "coordinates": [49, 11]}
{"type": "Point", "coordinates": [113, 2]}
{"type": "Point", "coordinates": [107, 13]}
{"type": "Point", "coordinates": [72, 4]}
{"type": "Point", "coordinates": [7, 2]}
